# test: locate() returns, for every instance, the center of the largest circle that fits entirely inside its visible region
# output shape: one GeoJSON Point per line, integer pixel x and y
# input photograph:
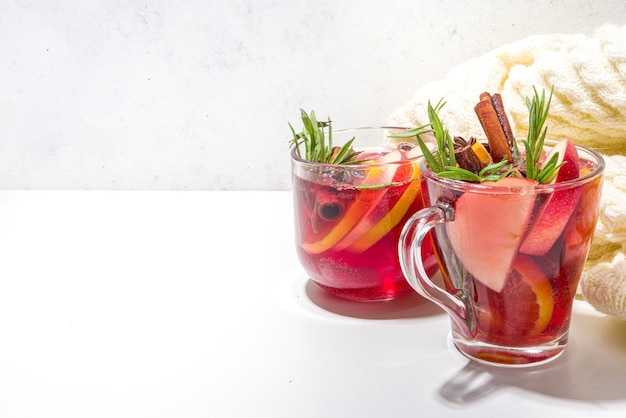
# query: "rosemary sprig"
{"type": "Point", "coordinates": [318, 147]}
{"type": "Point", "coordinates": [496, 171]}
{"type": "Point", "coordinates": [538, 109]}
{"type": "Point", "coordinates": [443, 156]}
{"type": "Point", "coordinates": [443, 160]}
{"type": "Point", "coordinates": [493, 172]}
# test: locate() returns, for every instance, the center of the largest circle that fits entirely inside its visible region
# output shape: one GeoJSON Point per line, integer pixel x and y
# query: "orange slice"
{"type": "Point", "coordinates": [482, 153]}
{"type": "Point", "coordinates": [542, 298]}
{"type": "Point", "coordinates": [524, 307]}
{"type": "Point", "coordinates": [364, 204]}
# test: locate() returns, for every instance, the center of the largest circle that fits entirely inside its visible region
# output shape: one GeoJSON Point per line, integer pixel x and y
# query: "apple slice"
{"type": "Point", "coordinates": [580, 229]}
{"type": "Point", "coordinates": [568, 155]}
{"type": "Point", "coordinates": [556, 212]}
{"type": "Point", "coordinates": [413, 153]}
{"type": "Point", "coordinates": [488, 229]}
{"type": "Point", "coordinates": [366, 201]}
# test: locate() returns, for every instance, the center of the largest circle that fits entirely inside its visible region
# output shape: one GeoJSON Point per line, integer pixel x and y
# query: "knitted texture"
{"type": "Point", "coordinates": [589, 106]}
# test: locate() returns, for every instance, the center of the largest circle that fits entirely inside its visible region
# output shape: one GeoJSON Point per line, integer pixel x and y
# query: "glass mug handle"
{"type": "Point", "coordinates": [458, 306]}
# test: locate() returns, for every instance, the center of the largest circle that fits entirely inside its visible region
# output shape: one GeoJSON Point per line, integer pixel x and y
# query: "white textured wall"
{"type": "Point", "coordinates": [197, 94]}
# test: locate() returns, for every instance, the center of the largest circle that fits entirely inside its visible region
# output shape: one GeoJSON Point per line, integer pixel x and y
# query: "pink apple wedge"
{"type": "Point", "coordinates": [559, 207]}
{"type": "Point", "coordinates": [488, 228]}
{"type": "Point", "coordinates": [568, 155]}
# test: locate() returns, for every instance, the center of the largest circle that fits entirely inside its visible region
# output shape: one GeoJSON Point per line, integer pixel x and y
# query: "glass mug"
{"type": "Point", "coordinates": [348, 218]}
{"type": "Point", "coordinates": [510, 257]}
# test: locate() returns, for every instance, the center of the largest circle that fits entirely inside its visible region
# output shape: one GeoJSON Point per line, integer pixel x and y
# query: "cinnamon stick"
{"type": "Point", "coordinates": [496, 101]}
{"type": "Point", "coordinates": [499, 146]}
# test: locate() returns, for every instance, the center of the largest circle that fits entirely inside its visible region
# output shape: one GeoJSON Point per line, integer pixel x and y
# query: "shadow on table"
{"type": "Point", "coordinates": [409, 306]}
{"type": "Point", "coordinates": [592, 368]}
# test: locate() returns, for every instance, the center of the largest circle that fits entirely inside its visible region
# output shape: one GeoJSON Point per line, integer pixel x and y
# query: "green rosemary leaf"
{"type": "Point", "coordinates": [550, 170]}
{"type": "Point", "coordinates": [310, 134]}
{"type": "Point", "coordinates": [413, 132]}
{"type": "Point", "coordinates": [330, 141]}
{"type": "Point", "coordinates": [494, 177]}
{"type": "Point", "coordinates": [498, 175]}
{"type": "Point", "coordinates": [538, 108]}
{"type": "Point", "coordinates": [531, 166]}
{"type": "Point", "coordinates": [295, 142]}
{"type": "Point", "coordinates": [439, 131]}
{"type": "Point", "coordinates": [451, 154]}
{"type": "Point", "coordinates": [433, 163]}
{"type": "Point", "coordinates": [457, 173]}
{"type": "Point", "coordinates": [345, 153]}
{"type": "Point", "coordinates": [493, 168]}
{"type": "Point", "coordinates": [376, 186]}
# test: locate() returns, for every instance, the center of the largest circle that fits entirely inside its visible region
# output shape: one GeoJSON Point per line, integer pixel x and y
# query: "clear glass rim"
{"type": "Point", "coordinates": [299, 160]}
{"type": "Point", "coordinates": [587, 153]}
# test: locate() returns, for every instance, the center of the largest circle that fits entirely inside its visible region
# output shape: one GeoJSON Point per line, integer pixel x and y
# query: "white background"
{"type": "Point", "coordinates": [197, 94]}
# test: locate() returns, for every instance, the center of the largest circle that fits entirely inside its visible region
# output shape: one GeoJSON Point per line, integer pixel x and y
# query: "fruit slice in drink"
{"type": "Point", "coordinates": [365, 203]}
{"type": "Point", "coordinates": [522, 309]}
{"type": "Point", "coordinates": [501, 220]}
{"type": "Point", "coordinates": [556, 212]}
{"type": "Point", "coordinates": [382, 219]}
{"type": "Point", "coordinates": [387, 222]}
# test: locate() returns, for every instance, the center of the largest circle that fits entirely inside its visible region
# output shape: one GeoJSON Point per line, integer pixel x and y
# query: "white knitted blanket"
{"type": "Point", "coordinates": [589, 106]}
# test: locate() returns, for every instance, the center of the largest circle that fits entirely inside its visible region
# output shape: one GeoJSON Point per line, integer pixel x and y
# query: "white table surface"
{"type": "Point", "coordinates": [192, 304]}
